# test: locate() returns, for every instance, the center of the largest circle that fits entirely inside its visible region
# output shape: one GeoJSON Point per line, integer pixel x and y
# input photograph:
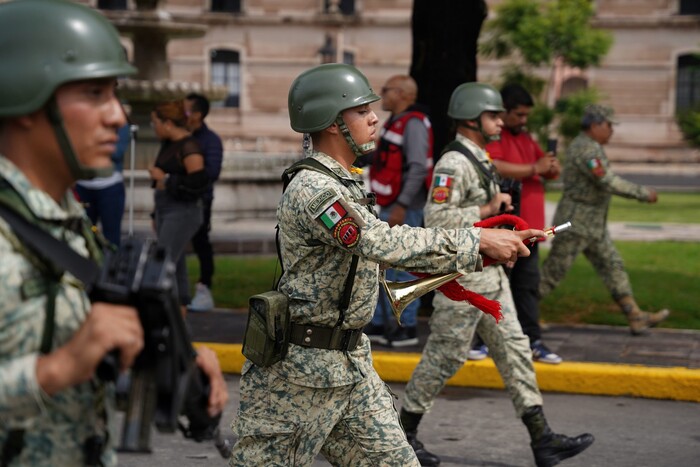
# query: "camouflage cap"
{"type": "Point", "coordinates": [598, 113]}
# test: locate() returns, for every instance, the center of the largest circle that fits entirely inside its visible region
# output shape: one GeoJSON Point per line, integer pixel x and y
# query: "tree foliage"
{"type": "Point", "coordinates": [539, 31]}
{"type": "Point", "coordinates": [689, 123]}
{"type": "Point", "coordinates": [535, 34]}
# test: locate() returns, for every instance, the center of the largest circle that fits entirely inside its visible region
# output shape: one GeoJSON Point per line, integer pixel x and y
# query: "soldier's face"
{"type": "Point", "coordinates": [91, 115]}
{"type": "Point", "coordinates": [491, 123]}
{"type": "Point", "coordinates": [602, 132]}
{"type": "Point", "coordinates": [362, 123]}
{"type": "Point", "coordinates": [515, 120]}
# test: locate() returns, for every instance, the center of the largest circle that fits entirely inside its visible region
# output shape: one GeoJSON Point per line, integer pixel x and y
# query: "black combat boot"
{"type": "Point", "coordinates": [410, 421]}
{"type": "Point", "coordinates": [548, 447]}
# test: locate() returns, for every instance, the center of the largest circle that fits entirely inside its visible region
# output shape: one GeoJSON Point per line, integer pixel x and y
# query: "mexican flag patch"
{"type": "Point", "coordinates": [333, 214]}
{"type": "Point", "coordinates": [441, 188]}
{"type": "Point", "coordinates": [596, 167]}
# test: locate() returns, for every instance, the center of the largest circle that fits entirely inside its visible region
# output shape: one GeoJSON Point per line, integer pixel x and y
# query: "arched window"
{"type": "Point", "coordinates": [111, 4]}
{"type": "Point", "coordinates": [226, 70]}
{"type": "Point", "coordinates": [688, 82]}
{"type": "Point", "coordinates": [227, 6]}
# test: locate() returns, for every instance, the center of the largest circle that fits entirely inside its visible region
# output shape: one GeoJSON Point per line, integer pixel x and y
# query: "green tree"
{"type": "Point", "coordinates": [541, 33]}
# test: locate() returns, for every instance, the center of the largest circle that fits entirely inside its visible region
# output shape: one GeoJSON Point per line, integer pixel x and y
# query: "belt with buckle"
{"type": "Point", "coordinates": [319, 337]}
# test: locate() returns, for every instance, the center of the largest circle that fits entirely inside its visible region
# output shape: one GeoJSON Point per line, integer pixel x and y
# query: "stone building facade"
{"type": "Point", "coordinates": [257, 47]}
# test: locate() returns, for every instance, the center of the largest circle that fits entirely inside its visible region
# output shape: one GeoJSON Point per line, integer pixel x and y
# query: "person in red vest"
{"type": "Point", "coordinates": [400, 174]}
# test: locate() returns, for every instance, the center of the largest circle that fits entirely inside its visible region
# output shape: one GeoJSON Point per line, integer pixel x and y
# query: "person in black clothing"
{"type": "Point", "coordinates": [197, 109]}
{"type": "Point", "coordinates": [179, 180]}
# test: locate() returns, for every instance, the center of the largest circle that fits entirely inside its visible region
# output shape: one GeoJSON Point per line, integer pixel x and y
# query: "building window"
{"type": "Point", "coordinates": [111, 4]}
{"type": "Point", "coordinates": [688, 84]}
{"type": "Point", "coordinates": [689, 7]}
{"type": "Point", "coordinates": [226, 70]}
{"type": "Point", "coordinates": [228, 6]}
{"type": "Point", "coordinates": [345, 7]}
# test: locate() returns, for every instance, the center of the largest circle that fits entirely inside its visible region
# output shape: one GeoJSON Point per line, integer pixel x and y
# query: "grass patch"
{"type": "Point", "coordinates": [671, 207]}
{"type": "Point", "coordinates": [663, 275]}
{"type": "Point", "coordinates": [236, 278]}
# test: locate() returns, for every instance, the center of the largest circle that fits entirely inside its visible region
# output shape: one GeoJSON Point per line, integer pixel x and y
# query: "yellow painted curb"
{"type": "Point", "coordinates": [579, 378]}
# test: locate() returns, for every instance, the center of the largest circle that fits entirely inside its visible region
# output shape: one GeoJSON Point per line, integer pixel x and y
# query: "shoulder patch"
{"type": "Point", "coordinates": [343, 222]}
{"type": "Point", "coordinates": [440, 191]}
{"type": "Point", "coordinates": [320, 201]}
{"type": "Point", "coordinates": [446, 171]}
{"type": "Point", "coordinates": [596, 167]}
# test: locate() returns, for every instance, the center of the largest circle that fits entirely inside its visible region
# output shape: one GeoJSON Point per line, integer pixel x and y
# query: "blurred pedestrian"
{"type": "Point", "coordinates": [197, 109]}
{"type": "Point", "coordinates": [588, 185]}
{"type": "Point", "coordinates": [179, 181]}
{"type": "Point", "coordinates": [399, 175]}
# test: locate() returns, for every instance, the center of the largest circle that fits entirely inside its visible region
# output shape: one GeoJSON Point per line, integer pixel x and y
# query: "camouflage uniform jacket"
{"type": "Point", "coordinates": [56, 426]}
{"type": "Point", "coordinates": [321, 225]}
{"type": "Point", "coordinates": [588, 186]}
{"type": "Point", "coordinates": [457, 193]}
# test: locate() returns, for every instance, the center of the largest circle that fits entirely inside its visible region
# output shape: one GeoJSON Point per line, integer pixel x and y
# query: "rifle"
{"type": "Point", "coordinates": [165, 381]}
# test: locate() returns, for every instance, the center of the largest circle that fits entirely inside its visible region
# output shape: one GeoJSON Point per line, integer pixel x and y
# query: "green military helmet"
{"type": "Point", "coordinates": [47, 43]}
{"type": "Point", "coordinates": [320, 94]}
{"type": "Point", "coordinates": [469, 100]}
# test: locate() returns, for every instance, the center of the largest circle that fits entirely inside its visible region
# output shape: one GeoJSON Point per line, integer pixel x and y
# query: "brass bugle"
{"type": "Point", "coordinates": [400, 294]}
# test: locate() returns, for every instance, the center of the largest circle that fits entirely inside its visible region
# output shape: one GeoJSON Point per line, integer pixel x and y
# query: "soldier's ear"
{"type": "Point", "coordinates": [334, 129]}
{"type": "Point", "coordinates": [26, 122]}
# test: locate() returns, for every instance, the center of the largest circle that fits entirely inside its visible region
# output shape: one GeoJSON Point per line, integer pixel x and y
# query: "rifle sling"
{"type": "Point", "coordinates": [63, 258]}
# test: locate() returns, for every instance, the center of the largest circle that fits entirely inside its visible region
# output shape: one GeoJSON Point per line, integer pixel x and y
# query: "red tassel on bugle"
{"type": "Point", "coordinates": [456, 292]}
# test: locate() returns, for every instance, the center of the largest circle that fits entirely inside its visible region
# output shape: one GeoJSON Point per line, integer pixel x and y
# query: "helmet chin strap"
{"type": "Point", "coordinates": [480, 129]}
{"type": "Point", "coordinates": [359, 151]}
{"type": "Point", "coordinates": [79, 171]}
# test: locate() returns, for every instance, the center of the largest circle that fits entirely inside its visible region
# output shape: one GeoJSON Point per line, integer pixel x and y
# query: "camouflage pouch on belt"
{"type": "Point", "coordinates": [267, 332]}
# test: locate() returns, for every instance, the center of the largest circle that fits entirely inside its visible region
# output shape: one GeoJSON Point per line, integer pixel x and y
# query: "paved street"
{"type": "Point", "coordinates": [474, 427]}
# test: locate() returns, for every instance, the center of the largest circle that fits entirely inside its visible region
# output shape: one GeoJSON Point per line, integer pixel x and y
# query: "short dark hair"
{"type": "Point", "coordinates": [199, 103]}
{"type": "Point", "coordinates": [515, 95]}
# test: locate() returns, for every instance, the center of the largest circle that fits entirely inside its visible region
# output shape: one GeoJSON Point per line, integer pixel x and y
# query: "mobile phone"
{"type": "Point", "coordinates": [552, 146]}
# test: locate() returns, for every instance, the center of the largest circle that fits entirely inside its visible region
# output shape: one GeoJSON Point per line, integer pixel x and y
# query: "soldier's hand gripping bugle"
{"type": "Point", "coordinates": [506, 245]}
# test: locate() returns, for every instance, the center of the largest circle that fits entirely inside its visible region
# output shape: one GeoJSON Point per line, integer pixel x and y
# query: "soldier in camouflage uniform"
{"type": "Point", "coordinates": [588, 186]}
{"type": "Point", "coordinates": [325, 395]}
{"type": "Point", "coordinates": [465, 190]}
{"type": "Point", "coordinates": [58, 123]}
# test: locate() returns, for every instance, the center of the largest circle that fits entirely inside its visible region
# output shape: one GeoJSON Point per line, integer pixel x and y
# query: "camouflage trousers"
{"type": "Point", "coordinates": [600, 252]}
{"type": "Point", "coordinates": [452, 327]}
{"type": "Point", "coordinates": [282, 424]}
